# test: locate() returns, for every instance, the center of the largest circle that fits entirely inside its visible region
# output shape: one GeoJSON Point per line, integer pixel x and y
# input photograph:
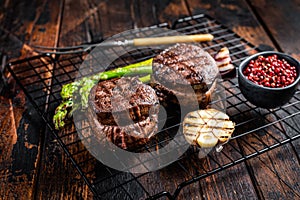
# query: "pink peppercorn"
{"type": "Point", "coordinates": [270, 72]}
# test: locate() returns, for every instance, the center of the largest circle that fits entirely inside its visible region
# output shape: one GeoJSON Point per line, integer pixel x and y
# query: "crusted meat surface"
{"type": "Point", "coordinates": [128, 137]}
{"type": "Point", "coordinates": [184, 64]}
{"type": "Point", "coordinates": [121, 101]}
{"type": "Point", "coordinates": [124, 111]}
{"type": "Point", "coordinates": [184, 70]}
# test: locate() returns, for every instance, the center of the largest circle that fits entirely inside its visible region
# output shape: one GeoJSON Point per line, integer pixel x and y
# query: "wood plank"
{"type": "Point", "coordinates": [93, 24]}
{"type": "Point", "coordinates": [95, 19]}
{"type": "Point", "coordinates": [58, 178]}
{"type": "Point", "coordinates": [10, 121]}
{"type": "Point", "coordinates": [249, 28]}
{"type": "Point", "coordinates": [215, 187]}
{"type": "Point", "coordinates": [283, 186]}
{"type": "Point", "coordinates": [16, 29]}
{"type": "Point", "coordinates": [232, 183]}
{"type": "Point", "coordinates": [171, 10]}
{"type": "Point", "coordinates": [77, 18]}
{"type": "Point", "coordinates": [279, 184]}
{"type": "Point", "coordinates": [170, 177]}
{"type": "Point", "coordinates": [61, 175]}
{"type": "Point", "coordinates": [115, 17]}
{"type": "Point", "coordinates": [282, 21]}
{"type": "Point", "coordinates": [237, 16]}
{"type": "Point", "coordinates": [21, 126]}
{"type": "Point", "coordinates": [274, 165]}
{"type": "Point", "coordinates": [144, 13]}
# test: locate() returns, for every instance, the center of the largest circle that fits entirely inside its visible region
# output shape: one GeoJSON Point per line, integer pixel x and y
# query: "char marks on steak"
{"type": "Point", "coordinates": [124, 111]}
{"type": "Point", "coordinates": [126, 99]}
{"type": "Point", "coordinates": [184, 70]}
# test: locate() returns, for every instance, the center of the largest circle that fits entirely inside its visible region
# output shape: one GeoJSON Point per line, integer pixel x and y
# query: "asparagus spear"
{"type": "Point", "coordinates": [84, 85]}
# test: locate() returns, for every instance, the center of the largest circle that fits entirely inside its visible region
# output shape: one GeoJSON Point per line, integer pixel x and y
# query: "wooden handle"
{"type": "Point", "coordinates": [172, 39]}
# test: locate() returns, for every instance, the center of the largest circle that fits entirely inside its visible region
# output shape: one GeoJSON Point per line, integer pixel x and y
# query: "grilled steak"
{"type": "Point", "coordinates": [181, 71]}
{"type": "Point", "coordinates": [124, 111]}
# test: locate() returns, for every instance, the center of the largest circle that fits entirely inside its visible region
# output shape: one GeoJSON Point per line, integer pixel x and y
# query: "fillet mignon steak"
{"type": "Point", "coordinates": [124, 111]}
{"type": "Point", "coordinates": [181, 67]}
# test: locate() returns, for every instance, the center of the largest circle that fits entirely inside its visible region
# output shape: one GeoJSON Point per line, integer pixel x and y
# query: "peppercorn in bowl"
{"type": "Point", "coordinates": [269, 79]}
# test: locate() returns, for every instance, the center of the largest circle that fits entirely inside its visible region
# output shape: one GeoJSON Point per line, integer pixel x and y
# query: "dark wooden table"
{"type": "Point", "coordinates": [32, 164]}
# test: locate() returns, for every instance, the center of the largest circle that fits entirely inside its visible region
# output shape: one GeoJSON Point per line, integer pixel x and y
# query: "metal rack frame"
{"type": "Point", "coordinates": [41, 77]}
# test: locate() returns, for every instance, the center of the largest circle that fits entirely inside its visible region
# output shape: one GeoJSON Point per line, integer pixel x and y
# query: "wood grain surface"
{"type": "Point", "coordinates": [33, 165]}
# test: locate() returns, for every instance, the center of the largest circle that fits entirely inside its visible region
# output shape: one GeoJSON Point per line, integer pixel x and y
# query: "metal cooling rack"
{"type": "Point", "coordinates": [257, 130]}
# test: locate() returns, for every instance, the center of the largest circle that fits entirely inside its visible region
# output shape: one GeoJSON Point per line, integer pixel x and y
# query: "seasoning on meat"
{"type": "Point", "coordinates": [123, 110]}
{"type": "Point", "coordinates": [181, 67]}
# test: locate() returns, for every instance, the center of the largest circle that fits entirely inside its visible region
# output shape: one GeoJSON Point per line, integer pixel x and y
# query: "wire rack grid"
{"type": "Point", "coordinates": [257, 130]}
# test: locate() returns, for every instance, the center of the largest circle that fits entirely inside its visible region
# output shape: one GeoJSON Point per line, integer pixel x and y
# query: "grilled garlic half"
{"type": "Point", "coordinates": [206, 128]}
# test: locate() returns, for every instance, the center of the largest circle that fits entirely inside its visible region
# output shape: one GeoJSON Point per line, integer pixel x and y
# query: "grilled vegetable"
{"type": "Point", "coordinates": [206, 128]}
{"type": "Point", "coordinates": [223, 60]}
{"type": "Point", "coordinates": [207, 140]}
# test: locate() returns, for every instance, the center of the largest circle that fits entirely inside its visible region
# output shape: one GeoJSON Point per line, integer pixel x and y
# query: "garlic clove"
{"type": "Point", "coordinates": [207, 140]}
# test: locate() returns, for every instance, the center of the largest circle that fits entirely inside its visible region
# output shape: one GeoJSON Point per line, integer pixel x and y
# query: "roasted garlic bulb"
{"type": "Point", "coordinates": [206, 128]}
